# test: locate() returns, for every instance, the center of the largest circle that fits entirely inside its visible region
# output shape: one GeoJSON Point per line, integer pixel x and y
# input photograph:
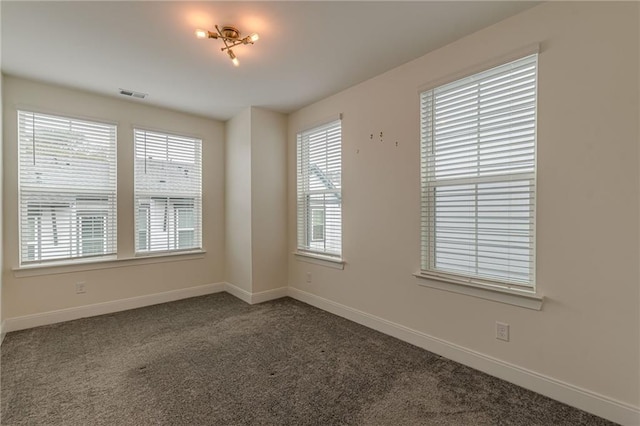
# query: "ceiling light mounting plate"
{"type": "Point", "coordinates": [230, 32]}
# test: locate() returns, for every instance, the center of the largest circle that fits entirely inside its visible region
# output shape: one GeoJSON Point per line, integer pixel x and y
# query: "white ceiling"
{"type": "Point", "coordinates": [307, 50]}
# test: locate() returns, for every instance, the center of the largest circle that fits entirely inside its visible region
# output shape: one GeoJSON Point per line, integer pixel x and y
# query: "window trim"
{"type": "Point", "coordinates": [496, 290]}
{"type": "Point", "coordinates": [104, 262]}
{"type": "Point", "coordinates": [319, 259]}
{"type": "Point", "coordinates": [524, 299]}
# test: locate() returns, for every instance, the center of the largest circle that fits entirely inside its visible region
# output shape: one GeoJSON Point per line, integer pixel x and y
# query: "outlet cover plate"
{"type": "Point", "coordinates": [502, 331]}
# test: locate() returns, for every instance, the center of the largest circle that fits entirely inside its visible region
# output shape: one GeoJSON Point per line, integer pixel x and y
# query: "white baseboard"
{"type": "Point", "coordinates": [264, 296]}
{"type": "Point", "coordinates": [52, 317]}
{"type": "Point", "coordinates": [567, 393]}
{"type": "Point", "coordinates": [253, 298]}
{"type": "Point", "coordinates": [238, 292]}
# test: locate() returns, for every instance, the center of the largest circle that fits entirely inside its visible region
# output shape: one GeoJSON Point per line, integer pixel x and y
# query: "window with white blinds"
{"type": "Point", "coordinates": [168, 192]}
{"type": "Point", "coordinates": [478, 161]}
{"type": "Point", "coordinates": [319, 167]}
{"type": "Point", "coordinates": [67, 185]}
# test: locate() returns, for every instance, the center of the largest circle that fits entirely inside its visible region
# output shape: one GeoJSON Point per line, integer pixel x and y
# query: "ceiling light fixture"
{"type": "Point", "coordinates": [230, 36]}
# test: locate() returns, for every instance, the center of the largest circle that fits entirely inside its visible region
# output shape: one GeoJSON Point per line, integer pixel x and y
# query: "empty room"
{"type": "Point", "coordinates": [320, 213]}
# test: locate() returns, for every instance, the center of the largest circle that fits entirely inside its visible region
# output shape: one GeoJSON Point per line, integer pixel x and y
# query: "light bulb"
{"type": "Point", "coordinates": [254, 37]}
{"type": "Point", "coordinates": [233, 57]}
{"type": "Point", "coordinates": [201, 33]}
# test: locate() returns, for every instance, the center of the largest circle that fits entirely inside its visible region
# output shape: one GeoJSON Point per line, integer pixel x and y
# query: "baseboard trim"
{"type": "Point", "coordinates": [259, 297]}
{"type": "Point", "coordinates": [238, 292]}
{"type": "Point", "coordinates": [2, 331]}
{"type": "Point", "coordinates": [567, 393]}
{"type": "Point", "coordinates": [52, 317]}
{"type": "Point", "coordinates": [265, 296]}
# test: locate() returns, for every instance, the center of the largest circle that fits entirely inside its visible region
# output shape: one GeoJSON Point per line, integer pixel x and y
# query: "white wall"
{"type": "Point", "coordinates": [256, 200]}
{"type": "Point", "coordinates": [587, 334]}
{"type": "Point", "coordinates": [55, 289]}
{"type": "Point", "coordinates": [269, 199]}
{"type": "Point", "coordinates": [238, 201]}
{"type": "Point", "coordinates": [1, 208]}
{"type": "Point", "coordinates": [1, 193]}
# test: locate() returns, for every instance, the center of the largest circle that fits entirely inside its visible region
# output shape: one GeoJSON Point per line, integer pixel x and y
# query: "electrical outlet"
{"type": "Point", "coordinates": [80, 287]}
{"type": "Point", "coordinates": [308, 277]}
{"type": "Point", "coordinates": [502, 331]}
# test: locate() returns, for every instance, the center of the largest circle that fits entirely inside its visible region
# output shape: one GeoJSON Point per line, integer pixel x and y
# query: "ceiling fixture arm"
{"type": "Point", "coordinates": [224, 39]}
{"type": "Point", "coordinates": [245, 40]}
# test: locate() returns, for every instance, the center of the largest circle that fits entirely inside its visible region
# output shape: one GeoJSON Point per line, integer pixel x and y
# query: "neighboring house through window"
{"type": "Point", "coordinates": [478, 177]}
{"type": "Point", "coordinates": [168, 192]}
{"type": "Point", "coordinates": [319, 199]}
{"type": "Point", "coordinates": [67, 175]}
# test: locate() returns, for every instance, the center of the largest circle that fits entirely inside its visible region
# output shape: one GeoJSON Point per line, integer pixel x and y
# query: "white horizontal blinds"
{"type": "Point", "coordinates": [67, 172]}
{"type": "Point", "coordinates": [478, 175]}
{"type": "Point", "coordinates": [168, 192]}
{"type": "Point", "coordinates": [319, 189]}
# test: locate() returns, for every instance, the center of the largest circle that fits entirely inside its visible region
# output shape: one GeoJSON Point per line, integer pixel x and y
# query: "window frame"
{"type": "Point", "coordinates": [64, 195]}
{"type": "Point", "coordinates": [306, 206]}
{"type": "Point", "coordinates": [144, 200]}
{"type": "Point", "coordinates": [514, 293]}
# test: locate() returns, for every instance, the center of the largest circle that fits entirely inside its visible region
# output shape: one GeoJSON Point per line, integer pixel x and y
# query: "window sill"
{"type": "Point", "coordinates": [64, 267]}
{"type": "Point", "coordinates": [331, 262]}
{"type": "Point", "coordinates": [510, 297]}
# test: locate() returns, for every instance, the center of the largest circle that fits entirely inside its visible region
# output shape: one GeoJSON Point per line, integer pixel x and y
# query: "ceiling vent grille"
{"type": "Point", "coordinates": [131, 93]}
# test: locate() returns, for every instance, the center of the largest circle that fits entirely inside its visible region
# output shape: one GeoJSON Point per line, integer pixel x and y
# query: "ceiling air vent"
{"type": "Point", "coordinates": [131, 93]}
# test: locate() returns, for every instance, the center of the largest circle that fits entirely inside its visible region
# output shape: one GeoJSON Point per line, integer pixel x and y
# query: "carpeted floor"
{"type": "Point", "coordinates": [215, 360]}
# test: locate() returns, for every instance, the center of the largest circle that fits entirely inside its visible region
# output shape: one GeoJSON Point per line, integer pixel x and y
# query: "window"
{"type": "Point", "coordinates": [168, 192]}
{"type": "Point", "coordinates": [67, 172]}
{"type": "Point", "coordinates": [478, 159]}
{"type": "Point", "coordinates": [317, 224]}
{"type": "Point", "coordinates": [319, 190]}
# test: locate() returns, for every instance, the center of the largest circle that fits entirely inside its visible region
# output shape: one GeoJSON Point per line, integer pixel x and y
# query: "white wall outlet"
{"type": "Point", "coordinates": [308, 277]}
{"type": "Point", "coordinates": [502, 331]}
{"type": "Point", "coordinates": [80, 287]}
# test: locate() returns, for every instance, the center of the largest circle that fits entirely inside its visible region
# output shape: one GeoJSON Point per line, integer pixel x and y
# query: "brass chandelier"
{"type": "Point", "coordinates": [230, 36]}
